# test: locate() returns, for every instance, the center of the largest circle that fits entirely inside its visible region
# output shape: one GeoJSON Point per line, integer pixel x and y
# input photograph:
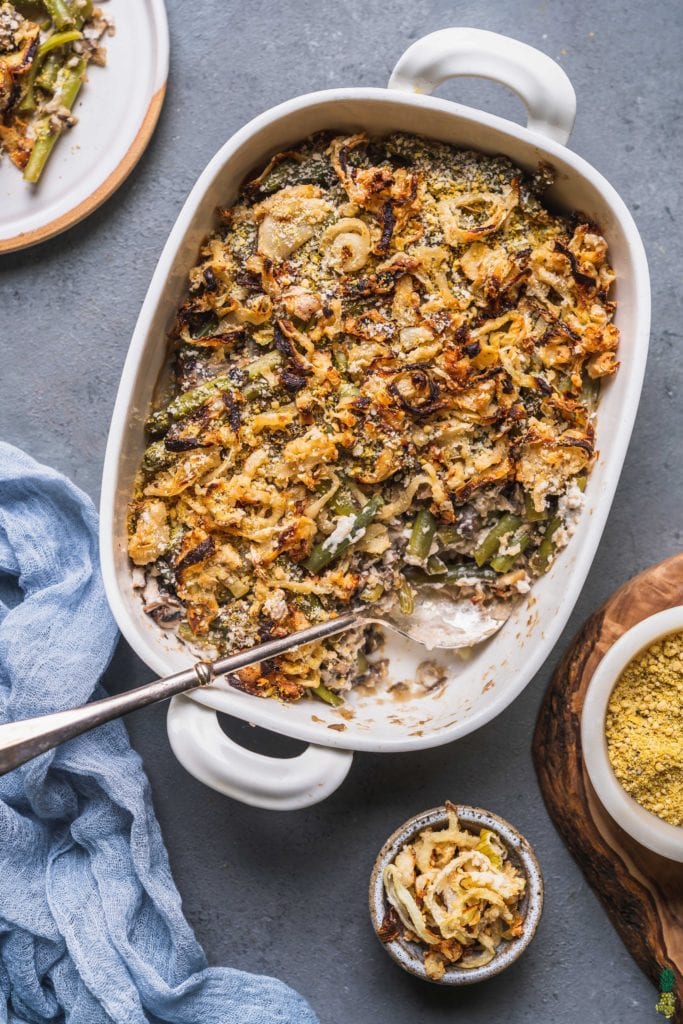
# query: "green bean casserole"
{"type": "Point", "coordinates": [384, 377]}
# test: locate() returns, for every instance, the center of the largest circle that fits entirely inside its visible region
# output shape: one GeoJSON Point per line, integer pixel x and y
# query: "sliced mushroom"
{"type": "Point", "coordinates": [166, 611]}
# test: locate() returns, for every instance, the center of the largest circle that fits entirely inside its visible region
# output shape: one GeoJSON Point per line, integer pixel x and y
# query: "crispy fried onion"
{"type": "Point", "coordinates": [473, 215]}
{"type": "Point", "coordinates": [201, 565]}
{"type": "Point", "coordinates": [288, 154]}
{"type": "Point", "coordinates": [416, 390]}
{"type": "Point", "coordinates": [348, 244]}
{"type": "Point", "coordinates": [151, 534]}
{"type": "Point", "coordinates": [288, 219]}
{"type": "Point", "coordinates": [392, 195]}
{"type": "Point", "coordinates": [432, 275]}
{"type": "Point", "coordinates": [403, 502]}
{"type": "Point", "coordinates": [183, 473]}
{"type": "Point", "coordinates": [456, 893]}
{"type": "Point", "coordinates": [550, 457]}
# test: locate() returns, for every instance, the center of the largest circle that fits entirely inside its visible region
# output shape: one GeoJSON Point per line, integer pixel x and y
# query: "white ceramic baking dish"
{"type": "Point", "coordinates": [481, 687]}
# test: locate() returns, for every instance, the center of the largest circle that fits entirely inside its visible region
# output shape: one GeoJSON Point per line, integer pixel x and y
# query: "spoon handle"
{"type": "Point", "coordinates": [21, 741]}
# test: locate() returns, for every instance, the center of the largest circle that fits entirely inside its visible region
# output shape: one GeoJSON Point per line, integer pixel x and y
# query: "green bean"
{"type": "Point", "coordinates": [184, 631]}
{"type": "Point", "coordinates": [156, 457]}
{"type": "Point", "coordinates": [466, 571]}
{"type": "Point", "coordinates": [278, 176]}
{"type": "Point", "coordinates": [59, 12]}
{"type": "Point", "coordinates": [372, 594]}
{"type": "Point", "coordinates": [291, 172]}
{"type": "Point", "coordinates": [531, 513]}
{"type": "Point", "coordinates": [435, 566]}
{"type": "Point", "coordinates": [84, 12]}
{"type": "Point", "coordinates": [322, 554]}
{"type": "Point", "coordinates": [184, 404]}
{"type": "Point", "coordinates": [449, 535]}
{"type": "Point", "coordinates": [262, 364]}
{"type": "Point", "coordinates": [406, 598]}
{"type": "Point", "coordinates": [421, 535]}
{"type": "Point", "coordinates": [58, 39]}
{"type": "Point", "coordinates": [254, 390]}
{"type": "Point", "coordinates": [49, 72]}
{"type": "Point", "coordinates": [205, 324]}
{"type": "Point", "coordinates": [488, 547]}
{"type": "Point", "coordinates": [503, 563]}
{"type": "Point", "coordinates": [53, 42]}
{"type": "Point", "coordinates": [339, 359]}
{"type": "Point", "coordinates": [310, 605]}
{"type": "Point", "coordinates": [342, 504]}
{"type": "Point", "coordinates": [454, 574]}
{"type": "Point", "coordinates": [328, 696]}
{"type": "Point", "coordinates": [547, 547]}
{"type": "Point", "coordinates": [581, 481]}
{"type": "Point", "coordinates": [28, 100]}
{"type": "Point", "coordinates": [66, 91]}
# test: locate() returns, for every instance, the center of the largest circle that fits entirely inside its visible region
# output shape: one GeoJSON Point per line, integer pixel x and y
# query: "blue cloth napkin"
{"type": "Point", "coordinates": [91, 926]}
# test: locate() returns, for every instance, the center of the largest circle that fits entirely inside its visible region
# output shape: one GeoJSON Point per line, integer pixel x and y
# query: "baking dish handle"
{"type": "Point", "coordinates": [277, 784]}
{"type": "Point", "coordinates": [540, 83]}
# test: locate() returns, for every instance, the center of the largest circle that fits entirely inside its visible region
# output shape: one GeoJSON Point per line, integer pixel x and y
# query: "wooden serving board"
{"type": "Point", "coordinates": [641, 891]}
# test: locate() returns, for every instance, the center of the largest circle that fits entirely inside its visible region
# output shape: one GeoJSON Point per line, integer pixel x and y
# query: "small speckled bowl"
{"type": "Point", "coordinates": [410, 955]}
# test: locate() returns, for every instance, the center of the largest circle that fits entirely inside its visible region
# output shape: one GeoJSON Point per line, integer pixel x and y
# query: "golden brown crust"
{"type": "Point", "coordinates": [382, 318]}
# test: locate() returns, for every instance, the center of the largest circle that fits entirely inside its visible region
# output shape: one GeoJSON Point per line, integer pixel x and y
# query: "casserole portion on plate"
{"type": "Point", "coordinates": [45, 50]}
{"type": "Point", "coordinates": [383, 377]}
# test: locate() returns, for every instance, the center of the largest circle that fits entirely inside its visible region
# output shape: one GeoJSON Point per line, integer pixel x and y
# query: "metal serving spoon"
{"type": "Point", "coordinates": [437, 622]}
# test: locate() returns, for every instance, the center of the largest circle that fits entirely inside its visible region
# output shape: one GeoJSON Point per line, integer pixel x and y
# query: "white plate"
{"type": "Point", "coordinates": [117, 110]}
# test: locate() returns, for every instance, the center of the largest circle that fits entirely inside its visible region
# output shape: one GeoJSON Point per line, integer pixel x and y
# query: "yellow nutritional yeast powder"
{"type": "Point", "coordinates": [644, 728]}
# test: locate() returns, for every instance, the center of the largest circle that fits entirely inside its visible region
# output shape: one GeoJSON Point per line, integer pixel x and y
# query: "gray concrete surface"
{"type": "Point", "coordinates": [286, 894]}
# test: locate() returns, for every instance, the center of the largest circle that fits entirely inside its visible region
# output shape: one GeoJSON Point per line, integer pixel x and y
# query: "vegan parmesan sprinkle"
{"type": "Point", "coordinates": [644, 729]}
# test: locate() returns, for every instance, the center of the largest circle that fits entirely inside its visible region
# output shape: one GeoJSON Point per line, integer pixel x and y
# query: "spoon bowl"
{"type": "Point", "coordinates": [439, 622]}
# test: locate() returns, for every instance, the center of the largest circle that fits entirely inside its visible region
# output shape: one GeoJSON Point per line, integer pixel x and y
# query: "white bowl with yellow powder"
{"type": "Point", "coordinates": [632, 732]}
{"type": "Point", "coordinates": [477, 689]}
